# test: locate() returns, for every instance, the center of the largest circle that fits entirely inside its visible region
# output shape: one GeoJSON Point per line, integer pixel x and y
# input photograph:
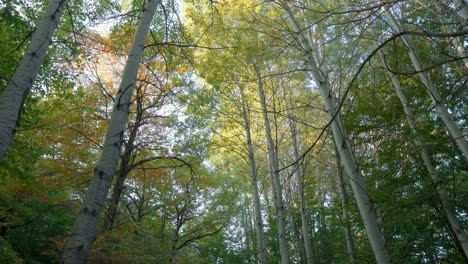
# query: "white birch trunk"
{"type": "Point", "coordinates": [440, 106]}
{"type": "Point", "coordinates": [274, 172]}
{"type": "Point", "coordinates": [299, 175]}
{"type": "Point", "coordinates": [449, 212]}
{"type": "Point", "coordinates": [344, 146]}
{"type": "Point", "coordinates": [84, 229]}
{"type": "Point", "coordinates": [17, 89]}
{"type": "Point", "coordinates": [261, 247]}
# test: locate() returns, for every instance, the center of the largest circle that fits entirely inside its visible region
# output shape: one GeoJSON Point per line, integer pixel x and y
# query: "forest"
{"type": "Point", "coordinates": [233, 131]}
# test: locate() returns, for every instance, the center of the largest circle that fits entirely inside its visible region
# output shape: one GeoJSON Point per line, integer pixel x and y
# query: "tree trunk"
{"type": "Point", "coordinates": [344, 146]}
{"type": "Point", "coordinates": [344, 210]}
{"type": "Point", "coordinates": [117, 190]}
{"type": "Point", "coordinates": [448, 27]}
{"type": "Point", "coordinates": [438, 181]}
{"type": "Point", "coordinates": [126, 163]}
{"type": "Point", "coordinates": [251, 229]}
{"type": "Point", "coordinates": [461, 7]}
{"type": "Point", "coordinates": [455, 41]}
{"type": "Point", "coordinates": [245, 228]}
{"type": "Point", "coordinates": [261, 247]}
{"type": "Point", "coordinates": [440, 106]}
{"type": "Point", "coordinates": [18, 87]}
{"type": "Point", "coordinates": [295, 233]}
{"type": "Point", "coordinates": [173, 254]}
{"type": "Point", "coordinates": [274, 173]}
{"type": "Point", "coordinates": [299, 175]}
{"type": "Point", "coordinates": [84, 229]}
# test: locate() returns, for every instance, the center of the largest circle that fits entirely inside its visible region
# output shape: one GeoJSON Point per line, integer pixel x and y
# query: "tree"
{"type": "Point", "coordinates": [18, 87]}
{"type": "Point", "coordinates": [195, 155]}
{"type": "Point", "coordinates": [299, 175]}
{"type": "Point", "coordinates": [444, 113]}
{"type": "Point", "coordinates": [274, 171]}
{"type": "Point", "coordinates": [438, 181]}
{"type": "Point", "coordinates": [343, 199]}
{"type": "Point", "coordinates": [344, 146]}
{"type": "Point", "coordinates": [84, 229]}
{"type": "Point", "coordinates": [261, 247]}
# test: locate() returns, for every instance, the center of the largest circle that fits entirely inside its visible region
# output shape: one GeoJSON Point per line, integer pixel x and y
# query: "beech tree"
{"type": "Point", "coordinates": [261, 247]}
{"type": "Point", "coordinates": [274, 171]}
{"type": "Point", "coordinates": [428, 163]}
{"type": "Point", "coordinates": [84, 230]}
{"type": "Point", "coordinates": [13, 97]}
{"type": "Point", "coordinates": [345, 149]}
{"type": "Point", "coordinates": [444, 112]}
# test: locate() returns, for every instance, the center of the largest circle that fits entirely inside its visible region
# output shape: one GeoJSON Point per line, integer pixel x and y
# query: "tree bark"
{"type": "Point", "coordinates": [438, 181]}
{"type": "Point", "coordinates": [345, 149]}
{"type": "Point", "coordinates": [246, 228]}
{"type": "Point", "coordinates": [440, 106]}
{"type": "Point", "coordinates": [344, 210]}
{"type": "Point", "coordinates": [295, 229]}
{"type": "Point", "coordinates": [126, 163]}
{"type": "Point", "coordinates": [299, 176]}
{"type": "Point", "coordinates": [117, 190]}
{"type": "Point", "coordinates": [448, 27]}
{"type": "Point", "coordinates": [84, 229]}
{"type": "Point", "coordinates": [175, 240]}
{"type": "Point", "coordinates": [274, 173]}
{"type": "Point", "coordinates": [461, 7]}
{"type": "Point", "coordinates": [261, 247]}
{"type": "Point", "coordinates": [18, 87]}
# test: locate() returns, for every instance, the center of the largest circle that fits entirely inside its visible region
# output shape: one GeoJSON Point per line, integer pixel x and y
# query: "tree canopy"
{"type": "Point", "coordinates": [233, 131]}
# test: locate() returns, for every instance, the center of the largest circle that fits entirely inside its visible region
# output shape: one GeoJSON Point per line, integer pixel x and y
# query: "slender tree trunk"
{"type": "Point", "coordinates": [440, 106]}
{"type": "Point", "coordinates": [345, 149]}
{"type": "Point", "coordinates": [84, 229]}
{"type": "Point", "coordinates": [344, 210]}
{"type": "Point", "coordinates": [274, 172]}
{"type": "Point", "coordinates": [173, 254]}
{"type": "Point", "coordinates": [295, 233]}
{"type": "Point", "coordinates": [126, 163]}
{"type": "Point", "coordinates": [299, 175]}
{"type": "Point", "coordinates": [448, 27]}
{"type": "Point", "coordinates": [459, 9]}
{"type": "Point", "coordinates": [261, 247]}
{"type": "Point", "coordinates": [117, 190]}
{"type": "Point", "coordinates": [251, 230]}
{"type": "Point", "coordinates": [245, 227]}
{"type": "Point", "coordinates": [457, 44]}
{"type": "Point", "coordinates": [438, 181]}
{"type": "Point", "coordinates": [18, 87]}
